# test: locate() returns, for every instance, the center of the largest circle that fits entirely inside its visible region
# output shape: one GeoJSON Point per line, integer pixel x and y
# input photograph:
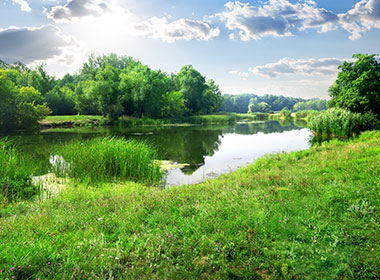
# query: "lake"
{"type": "Point", "coordinates": [203, 151]}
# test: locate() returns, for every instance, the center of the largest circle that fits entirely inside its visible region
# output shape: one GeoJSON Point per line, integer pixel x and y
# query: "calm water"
{"type": "Point", "coordinates": [208, 151]}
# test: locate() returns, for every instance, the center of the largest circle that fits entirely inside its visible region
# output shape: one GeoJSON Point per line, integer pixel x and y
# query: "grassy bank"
{"type": "Point", "coordinates": [71, 121]}
{"type": "Point", "coordinates": [84, 120]}
{"type": "Point", "coordinates": [305, 215]}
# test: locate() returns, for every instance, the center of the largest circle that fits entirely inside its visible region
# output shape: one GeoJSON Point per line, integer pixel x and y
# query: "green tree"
{"type": "Point", "coordinates": [263, 107]}
{"type": "Point", "coordinates": [357, 87]}
{"type": "Point", "coordinates": [173, 104]}
{"type": "Point", "coordinates": [212, 97]}
{"type": "Point", "coordinates": [20, 107]}
{"type": "Point", "coordinates": [192, 85]}
{"type": "Point", "coordinates": [253, 105]}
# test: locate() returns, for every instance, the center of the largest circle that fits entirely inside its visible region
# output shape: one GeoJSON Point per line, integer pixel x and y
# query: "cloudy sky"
{"type": "Point", "coordinates": [283, 47]}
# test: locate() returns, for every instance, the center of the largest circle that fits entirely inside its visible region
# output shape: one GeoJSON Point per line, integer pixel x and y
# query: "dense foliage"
{"type": "Point", "coordinates": [20, 106]}
{"type": "Point", "coordinates": [357, 87]}
{"type": "Point", "coordinates": [114, 86]}
{"type": "Point", "coordinates": [315, 104]}
{"type": "Point", "coordinates": [253, 103]}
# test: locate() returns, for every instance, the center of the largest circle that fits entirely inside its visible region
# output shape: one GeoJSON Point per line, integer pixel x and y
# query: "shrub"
{"type": "Point", "coordinates": [107, 159]}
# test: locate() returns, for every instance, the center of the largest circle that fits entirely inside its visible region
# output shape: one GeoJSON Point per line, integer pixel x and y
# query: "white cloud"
{"type": "Point", "coordinates": [238, 73]}
{"type": "Point", "coordinates": [76, 10]}
{"type": "Point", "coordinates": [322, 66]}
{"type": "Point", "coordinates": [277, 18]}
{"type": "Point", "coordinates": [363, 17]}
{"type": "Point", "coordinates": [23, 4]}
{"type": "Point", "coordinates": [182, 29]}
{"type": "Point", "coordinates": [36, 45]}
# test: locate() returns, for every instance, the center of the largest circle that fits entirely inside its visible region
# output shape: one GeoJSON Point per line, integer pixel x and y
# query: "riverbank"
{"type": "Point", "coordinates": [308, 214]}
{"type": "Point", "coordinates": [218, 118]}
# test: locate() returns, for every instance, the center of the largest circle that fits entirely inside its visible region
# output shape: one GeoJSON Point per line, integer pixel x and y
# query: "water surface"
{"type": "Point", "coordinates": [207, 151]}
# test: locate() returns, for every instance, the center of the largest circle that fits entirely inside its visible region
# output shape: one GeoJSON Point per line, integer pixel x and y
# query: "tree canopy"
{"type": "Point", "coordinates": [357, 87]}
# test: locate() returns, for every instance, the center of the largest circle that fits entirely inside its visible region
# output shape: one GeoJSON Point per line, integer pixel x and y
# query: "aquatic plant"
{"type": "Point", "coordinates": [107, 159]}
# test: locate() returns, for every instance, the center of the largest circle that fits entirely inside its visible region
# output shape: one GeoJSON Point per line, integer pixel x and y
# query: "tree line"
{"type": "Point", "coordinates": [253, 103]}
{"type": "Point", "coordinates": [110, 85]}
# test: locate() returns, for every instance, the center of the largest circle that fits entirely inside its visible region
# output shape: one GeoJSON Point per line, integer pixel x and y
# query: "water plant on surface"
{"type": "Point", "coordinates": [107, 159]}
{"type": "Point", "coordinates": [15, 174]}
{"type": "Point", "coordinates": [336, 122]}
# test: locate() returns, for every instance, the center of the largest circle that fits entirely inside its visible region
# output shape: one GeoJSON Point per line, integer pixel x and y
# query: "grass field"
{"type": "Point", "coordinates": [311, 214]}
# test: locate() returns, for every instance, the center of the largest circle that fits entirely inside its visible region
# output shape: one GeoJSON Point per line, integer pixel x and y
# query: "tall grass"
{"type": "Point", "coordinates": [305, 114]}
{"type": "Point", "coordinates": [15, 175]}
{"type": "Point", "coordinates": [336, 122]}
{"type": "Point", "coordinates": [106, 159]}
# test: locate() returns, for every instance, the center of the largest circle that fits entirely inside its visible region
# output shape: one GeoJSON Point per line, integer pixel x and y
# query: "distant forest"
{"type": "Point", "coordinates": [252, 103]}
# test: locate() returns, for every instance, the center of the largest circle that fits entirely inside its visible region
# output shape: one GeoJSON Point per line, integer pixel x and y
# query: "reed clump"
{"type": "Point", "coordinates": [336, 122]}
{"type": "Point", "coordinates": [108, 159]}
{"type": "Point", "coordinates": [15, 174]}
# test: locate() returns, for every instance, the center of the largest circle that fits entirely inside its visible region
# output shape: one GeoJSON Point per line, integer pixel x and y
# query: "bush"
{"type": "Point", "coordinates": [107, 159]}
{"type": "Point", "coordinates": [15, 174]}
{"type": "Point", "coordinates": [337, 122]}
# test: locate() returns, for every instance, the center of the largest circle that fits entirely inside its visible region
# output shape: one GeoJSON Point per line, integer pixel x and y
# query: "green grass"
{"type": "Point", "coordinates": [310, 214]}
{"type": "Point", "coordinates": [72, 118]}
{"type": "Point", "coordinates": [15, 175]}
{"type": "Point", "coordinates": [107, 159]}
{"type": "Point", "coordinates": [336, 122]}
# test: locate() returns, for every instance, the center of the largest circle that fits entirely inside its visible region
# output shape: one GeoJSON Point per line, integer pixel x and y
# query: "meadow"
{"type": "Point", "coordinates": [310, 214]}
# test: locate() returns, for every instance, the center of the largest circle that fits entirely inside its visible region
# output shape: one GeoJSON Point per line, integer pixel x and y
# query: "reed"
{"type": "Point", "coordinates": [108, 159]}
{"type": "Point", "coordinates": [15, 174]}
{"type": "Point", "coordinates": [336, 122]}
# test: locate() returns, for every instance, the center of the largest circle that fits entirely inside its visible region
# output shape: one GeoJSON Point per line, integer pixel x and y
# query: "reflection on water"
{"type": "Point", "coordinates": [208, 151]}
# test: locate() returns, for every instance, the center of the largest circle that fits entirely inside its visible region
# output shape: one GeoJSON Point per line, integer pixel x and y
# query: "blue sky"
{"type": "Point", "coordinates": [282, 47]}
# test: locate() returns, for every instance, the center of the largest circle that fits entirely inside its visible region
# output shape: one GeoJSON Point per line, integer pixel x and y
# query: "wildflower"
{"type": "Point", "coordinates": [111, 257]}
{"type": "Point", "coordinates": [2, 270]}
{"type": "Point", "coordinates": [12, 268]}
{"type": "Point", "coordinates": [279, 221]}
{"type": "Point", "coordinates": [287, 218]}
{"type": "Point", "coordinates": [170, 235]}
{"type": "Point", "coordinates": [19, 267]}
{"type": "Point", "coordinates": [296, 225]}
{"type": "Point", "coordinates": [76, 269]}
{"type": "Point", "coordinates": [13, 277]}
{"type": "Point", "coordinates": [48, 263]}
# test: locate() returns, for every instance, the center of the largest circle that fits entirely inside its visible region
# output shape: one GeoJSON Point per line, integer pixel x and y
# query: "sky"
{"type": "Point", "coordinates": [281, 47]}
